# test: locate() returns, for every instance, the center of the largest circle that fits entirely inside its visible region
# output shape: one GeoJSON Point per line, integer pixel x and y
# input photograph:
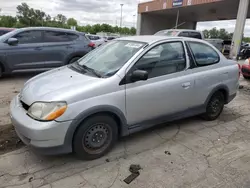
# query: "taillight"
{"type": "Point", "coordinates": [91, 45]}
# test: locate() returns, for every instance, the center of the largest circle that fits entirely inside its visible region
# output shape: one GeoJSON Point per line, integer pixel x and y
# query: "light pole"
{"type": "Point", "coordinates": [134, 21]}
{"type": "Point", "coordinates": [121, 16]}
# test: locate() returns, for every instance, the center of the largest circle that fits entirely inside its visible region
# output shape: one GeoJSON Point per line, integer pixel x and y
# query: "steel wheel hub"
{"type": "Point", "coordinates": [215, 106]}
{"type": "Point", "coordinates": [96, 137]}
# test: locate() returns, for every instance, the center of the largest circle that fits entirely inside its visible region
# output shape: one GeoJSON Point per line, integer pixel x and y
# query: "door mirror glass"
{"type": "Point", "coordinates": [12, 41]}
{"type": "Point", "coordinates": [138, 75]}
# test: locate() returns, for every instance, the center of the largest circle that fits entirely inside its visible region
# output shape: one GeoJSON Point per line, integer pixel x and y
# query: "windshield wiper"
{"type": "Point", "coordinates": [92, 71]}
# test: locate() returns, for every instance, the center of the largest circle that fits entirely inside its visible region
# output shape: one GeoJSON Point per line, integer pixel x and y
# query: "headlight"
{"type": "Point", "coordinates": [47, 111]}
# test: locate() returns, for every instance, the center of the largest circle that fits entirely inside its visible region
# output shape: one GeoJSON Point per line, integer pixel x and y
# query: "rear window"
{"type": "Point", "coordinates": [196, 35]}
{"type": "Point", "coordinates": [166, 33]}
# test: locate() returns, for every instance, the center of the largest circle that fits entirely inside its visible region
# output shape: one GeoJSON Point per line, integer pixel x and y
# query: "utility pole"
{"type": "Point", "coordinates": [134, 21]}
{"type": "Point", "coordinates": [121, 15]}
{"type": "Point", "coordinates": [239, 28]}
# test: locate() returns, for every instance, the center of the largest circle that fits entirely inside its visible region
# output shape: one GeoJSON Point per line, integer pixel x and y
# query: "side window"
{"type": "Point", "coordinates": [28, 37]}
{"type": "Point", "coordinates": [195, 35]}
{"type": "Point", "coordinates": [86, 39]}
{"type": "Point", "coordinates": [163, 59]}
{"type": "Point", "coordinates": [204, 55]}
{"type": "Point", "coordinates": [183, 34]}
{"type": "Point", "coordinates": [55, 36]}
{"type": "Point", "coordinates": [72, 36]}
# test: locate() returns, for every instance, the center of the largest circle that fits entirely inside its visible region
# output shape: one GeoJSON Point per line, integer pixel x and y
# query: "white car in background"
{"type": "Point", "coordinates": [97, 40]}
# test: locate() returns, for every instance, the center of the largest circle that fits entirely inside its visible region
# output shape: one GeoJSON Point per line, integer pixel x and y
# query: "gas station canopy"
{"type": "Point", "coordinates": [167, 14]}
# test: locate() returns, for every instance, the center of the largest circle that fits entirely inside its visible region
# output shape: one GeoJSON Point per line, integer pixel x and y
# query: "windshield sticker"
{"type": "Point", "coordinates": [133, 45]}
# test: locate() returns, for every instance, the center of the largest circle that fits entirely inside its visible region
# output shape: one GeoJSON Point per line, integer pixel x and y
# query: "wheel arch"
{"type": "Point", "coordinates": [73, 55]}
{"type": "Point", "coordinates": [222, 88]}
{"type": "Point", "coordinates": [109, 110]}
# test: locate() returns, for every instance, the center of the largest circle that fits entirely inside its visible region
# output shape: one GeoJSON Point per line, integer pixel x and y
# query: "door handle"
{"type": "Point", "coordinates": [69, 47]}
{"type": "Point", "coordinates": [38, 48]}
{"type": "Point", "coordinates": [186, 85]}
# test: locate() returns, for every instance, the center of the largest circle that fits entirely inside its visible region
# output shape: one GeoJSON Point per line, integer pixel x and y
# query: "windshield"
{"type": "Point", "coordinates": [167, 33]}
{"type": "Point", "coordinates": [108, 59]}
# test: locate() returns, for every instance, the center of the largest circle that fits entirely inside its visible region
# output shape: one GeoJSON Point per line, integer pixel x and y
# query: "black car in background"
{"type": "Point", "coordinates": [244, 51]}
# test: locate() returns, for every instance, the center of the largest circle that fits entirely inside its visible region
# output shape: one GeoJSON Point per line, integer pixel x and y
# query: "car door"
{"type": "Point", "coordinates": [28, 53]}
{"type": "Point", "coordinates": [58, 45]}
{"type": "Point", "coordinates": [168, 87]}
{"type": "Point", "coordinates": [207, 73]}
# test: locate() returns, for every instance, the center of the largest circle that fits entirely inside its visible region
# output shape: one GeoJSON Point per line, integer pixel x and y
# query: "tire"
{"type": "Point", "coordinates": [246, 77]}
{"type": "Point", "coordinates": [214, 107]}
{"type": "Point", "coordinates": [74, 59]}
{"type": "Point", "coordinates": [99, 128]}
{"type": "Point", "coordinates": [1, 72]}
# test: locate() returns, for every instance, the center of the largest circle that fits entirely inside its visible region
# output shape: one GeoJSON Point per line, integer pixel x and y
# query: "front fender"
{"type": "Point", "coordinates": [91, 111]}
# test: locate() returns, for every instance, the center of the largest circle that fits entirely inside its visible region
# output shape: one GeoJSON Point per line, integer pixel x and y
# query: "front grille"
{"type": "Point", "coordinates": [25, 106]}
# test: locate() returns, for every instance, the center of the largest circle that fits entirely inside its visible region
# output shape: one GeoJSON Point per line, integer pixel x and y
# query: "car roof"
{"type": "Point", "coordinates": [191, 30]}
{"type": "Point", "coordinates": [7, 28]}
{"type": "Point", "coordinates": [49, 28]}
{"type": "Point", "coordinates": [154, 38]}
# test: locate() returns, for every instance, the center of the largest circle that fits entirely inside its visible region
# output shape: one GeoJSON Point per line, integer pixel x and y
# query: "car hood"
{"type": "Point", "coordinates": [56, 85]}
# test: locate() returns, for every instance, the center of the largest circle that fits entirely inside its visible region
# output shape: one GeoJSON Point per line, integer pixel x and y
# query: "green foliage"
{"type": "Point", "coordinates": [217, 33]}
{"type": "Point", "coordinates": [72, 22]}
{"type": "Point", "coordinates": [29, 17]}
{"type": "Point", "coordinates": [7, 21]}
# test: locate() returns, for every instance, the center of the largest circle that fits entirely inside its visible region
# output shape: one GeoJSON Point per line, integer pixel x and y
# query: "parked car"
{"type": "Point", "coordinates": [41, 48]}
{"type": "Point", "coordinates": [226, 47]}
{"type": "Point", "coordinates": [109, 38]}
{"type": "Point", "coordinates": [244, 51]}
{"type": "Point", "coordinates": [218, 43]}
{"type": "Point", "coordinates": [97, 40]}
{"type": "Point", "coordinates": [4, 30]}
{"type": "Point", "coordinates": [117, 89]}
{"type": "Point", "coordinates": [181, 33]}
{"type": "Point", "coordinates": [245, 69]}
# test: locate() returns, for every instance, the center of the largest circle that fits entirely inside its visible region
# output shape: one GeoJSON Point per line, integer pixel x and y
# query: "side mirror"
{"type": "Point", "coordinates": [12, 41]}
{"type": "Point", "coordinates": [138, 75]}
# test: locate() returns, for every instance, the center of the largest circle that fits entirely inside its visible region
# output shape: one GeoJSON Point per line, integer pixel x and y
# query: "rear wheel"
{"type": "Point", "coordinates": [214, 107]}
{"type": "Point", "coordinates": [246, 77]}
{"type": "Point", "coordinates": [74, 59]}
{"type": "Point", "coordinates": [95, 137]}
{"type": "Point", "coordinates": [1, 71]}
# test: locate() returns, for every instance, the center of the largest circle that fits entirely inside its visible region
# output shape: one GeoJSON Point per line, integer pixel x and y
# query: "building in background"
{"type": "Point", "coordinates": [158, 15]}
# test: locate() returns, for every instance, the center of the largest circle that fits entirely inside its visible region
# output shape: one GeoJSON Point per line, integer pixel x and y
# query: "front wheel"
{"type": "Point", "coordinates": [95, 137]}
{"type": "Point", "coordinates": [214, 107]}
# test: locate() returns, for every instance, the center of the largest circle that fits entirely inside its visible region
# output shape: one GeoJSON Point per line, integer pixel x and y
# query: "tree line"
{"type": "Point", "coordinates": [221, 34]}
{"type": "Point", "coordinates": [30, 17]}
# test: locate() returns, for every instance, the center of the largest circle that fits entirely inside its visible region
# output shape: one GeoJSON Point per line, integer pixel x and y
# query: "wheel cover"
{"type": "Point", "coordinates": [97, 138]}
{"type": "Point", "coordinates": [215, 106]}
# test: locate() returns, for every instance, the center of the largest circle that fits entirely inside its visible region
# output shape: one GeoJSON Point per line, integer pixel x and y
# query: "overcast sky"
{"type": "Point", "coordinates": [100, 11]}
